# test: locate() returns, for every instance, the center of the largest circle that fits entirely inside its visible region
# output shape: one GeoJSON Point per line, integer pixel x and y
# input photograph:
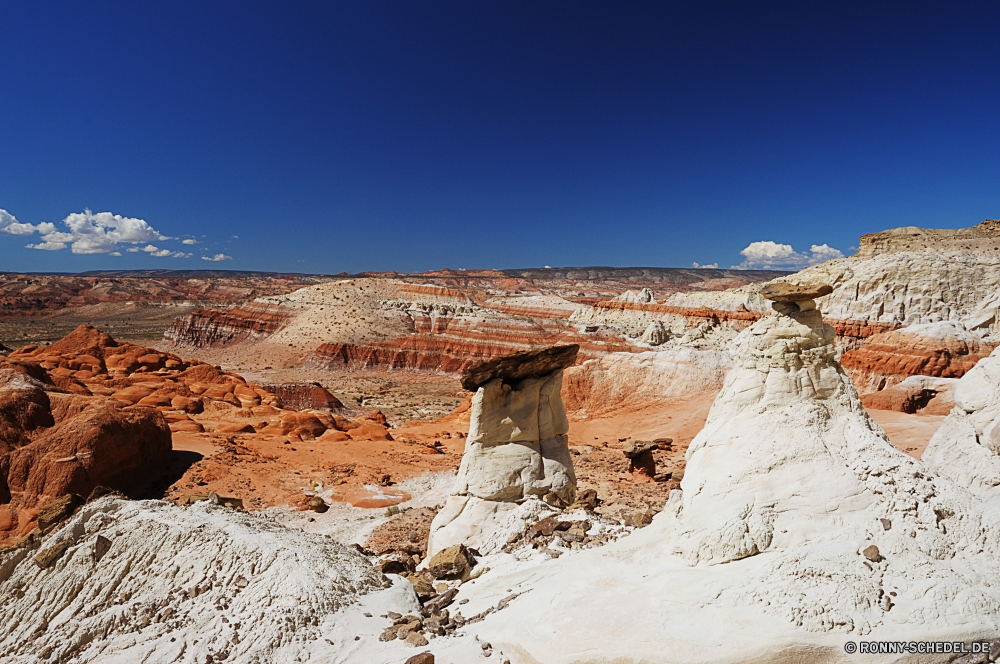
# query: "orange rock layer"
{"type": "Point", "coordinates": [887, 358]}
{"type": "Point", "coordinates": [204, 328]}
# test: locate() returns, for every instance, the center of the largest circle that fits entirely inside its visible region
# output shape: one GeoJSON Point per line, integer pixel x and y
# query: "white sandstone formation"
{"type": "Point", "coordinates": [656, 333]}
{"type": "Point", "coordinates": [798, 528]}
{"type": "Point", "coordinates": [152, 582]}
{"type": "Point", "coordinates": [644, 296]}
{"type": "Point", "coordinates": [517, 447]}
{"type": "Point", "coordinates": [966, 448]}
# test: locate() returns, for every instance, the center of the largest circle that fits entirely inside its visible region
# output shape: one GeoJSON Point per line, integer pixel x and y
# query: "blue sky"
{"type": "Point", "coordinates": [409, 136]}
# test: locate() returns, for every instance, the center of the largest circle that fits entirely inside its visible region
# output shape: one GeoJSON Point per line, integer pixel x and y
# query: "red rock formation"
{"type": "Point", "coordinates": [27, 294]}
{"type": "Point", "coordinates": [206, 327]}
{"type": "Point", "coordinates": [52, 444]}
{"type": "Point", "coordinates": [887, 358]}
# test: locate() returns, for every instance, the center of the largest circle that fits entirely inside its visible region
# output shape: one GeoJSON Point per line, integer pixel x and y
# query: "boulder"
{"type": "Point", "coordinates": [516, 367]}
{"type": "Point", "coordinates": [656, 333]}
{"type": "Point", "coordinates": [640, 457]}
{"type": "Point", "coordinates": [966, 448]}
{"type": "Point", "coordinates": [452, 563]}
{"type": "Point", "coordinates": [783, 291]}
{"type": "Point", "coordinates": [58, 510]}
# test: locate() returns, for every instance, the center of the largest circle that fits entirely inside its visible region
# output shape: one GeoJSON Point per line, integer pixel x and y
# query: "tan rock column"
{"type": "Point", "coordinates": [517, 445]}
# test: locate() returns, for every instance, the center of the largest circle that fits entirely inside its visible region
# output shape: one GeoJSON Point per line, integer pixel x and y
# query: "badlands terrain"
{"type": "Point", "coordinates": [528, 466]}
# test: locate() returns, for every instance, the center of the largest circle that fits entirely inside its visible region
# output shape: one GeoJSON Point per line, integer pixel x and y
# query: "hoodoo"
{"type": "Point", "coordinates": [517, 445]}
{"type": "Point", "coordinates": [829, 535]}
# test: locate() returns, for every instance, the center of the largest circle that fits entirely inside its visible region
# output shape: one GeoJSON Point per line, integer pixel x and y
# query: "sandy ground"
{"type": "Point", "coordinates": [909, 433]}
{"type": "Point", "coordinates": [269, 470]}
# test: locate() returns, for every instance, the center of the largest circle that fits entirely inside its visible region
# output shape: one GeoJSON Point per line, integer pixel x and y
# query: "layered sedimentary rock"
{"type": "Point", "coordinates": [516, 447]}
{"type": "Point", "coordinates": [304, 396]}
{"type": "Point", "coordinates": [966, 448]}
{"type": "Point", "coordinates": [827, 535]}
{"type": "Point", "coordinates": [939, 350]}
{"type": "Point", "coordinates": [205, 328]}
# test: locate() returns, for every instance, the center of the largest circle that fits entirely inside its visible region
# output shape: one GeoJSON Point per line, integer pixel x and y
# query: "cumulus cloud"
{"type": "Point", "coordinates": [86, 232]}
{"type": "Point", "coordinates": [711, 265]}
{"type": "Point", "coordinates": [216, 258]}
{"type": "Point", "coordinates": [163, 253]}
{"type": "Point", "coordinates": [768, 255]}
{"type": "Point", "coordinates": [11, 226]}
{"type": "Point", "coordinates": [93, 233]}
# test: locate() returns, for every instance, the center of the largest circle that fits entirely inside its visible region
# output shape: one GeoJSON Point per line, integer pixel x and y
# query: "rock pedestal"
{"type": "Point", "coordinates": [517, 446]}
{"type": "Point", "coordinates": [641, 463]}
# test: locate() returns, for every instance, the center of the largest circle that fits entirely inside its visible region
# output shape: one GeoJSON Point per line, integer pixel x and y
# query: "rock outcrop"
{"type": "Point", "coordinates": [516, 447]}
{"type": "Point", "coordinates": [304, 396]}
{"type": "Point", "coordinates": [54, 443]}
{"type": "Point", "coordinates": [938, 350]}
{"type": "Point", "coordinates": [828, 535]}
{"type": "Point", "coordinates": [966, 449]}
{"type": "Point", "coordinates": [206, 328]}
{"type": "Point", "coordinates": [160, 583]}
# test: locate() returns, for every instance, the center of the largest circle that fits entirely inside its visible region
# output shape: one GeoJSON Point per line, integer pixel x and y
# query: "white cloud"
{"type": "Point", "coordinates": [90, 233]}
{"type": "Point", "coordinates": [11, 226]}
{"type": "Point", "coordinates": [768, 255]}
{"type": "Point", "coordinates": [217, 258]}
{"type": "Point", "coordinates": [163, 253]}
{"type": "Point", "coordinates": [714, 266]}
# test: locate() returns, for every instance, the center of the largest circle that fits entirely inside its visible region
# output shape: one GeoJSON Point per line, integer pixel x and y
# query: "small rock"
{"type": "Point", "coordinates": [48, 556]}
{"type": "Point", "coordinates": [317, 504]}
{"type": "Point", "coordinates": [547, 526]}
{"type": "Point", "coordinates": [422, 658]}
{"type": "Point", "coordinates": [388, 634]}
{"type": "Point", "coordinates": [101, 546]}
{"type": "Point", "coordinates": [586, 500]}
{"type": "Point", "coordinates": [416, 639]}
{"type": "Point", "coordinates": [392, 566]}
{"type": "Point", "coordinates": [58, 509]}
{"type": "Point", "coordinates": [441, 601]}
{"type": "Point", "coordinates": [637, 448]}
{"type": "Point", "coordinates": [886, 524]}
{"type": "Point", "coordinates": [452, 563]}
{"type": "Point", "coordinates": [441, 587]}
{"type": "Point", "coordinates": [872, 554]}
{"type": "Point", "coordinates": [421, 585]}
{"type": "Point", "coordinates": [641, 519]}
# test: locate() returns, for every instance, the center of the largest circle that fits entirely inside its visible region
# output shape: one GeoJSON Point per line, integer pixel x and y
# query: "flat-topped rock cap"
{"type": "Point", "coordinates": [526, 364]}
{"type": "Point", "coordinates": [786, 292]}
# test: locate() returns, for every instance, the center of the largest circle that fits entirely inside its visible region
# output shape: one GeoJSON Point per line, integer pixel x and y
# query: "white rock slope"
{"type": "Point", "coordinates": [798, 528]}
{"type": "Point", "coordinates": [175, 585]}
{"type": "Point", "coordinates": [966, 449]}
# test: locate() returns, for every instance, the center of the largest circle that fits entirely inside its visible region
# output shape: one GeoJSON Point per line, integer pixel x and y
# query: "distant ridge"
{"type": "Point", "coordinates": [677, 275]}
